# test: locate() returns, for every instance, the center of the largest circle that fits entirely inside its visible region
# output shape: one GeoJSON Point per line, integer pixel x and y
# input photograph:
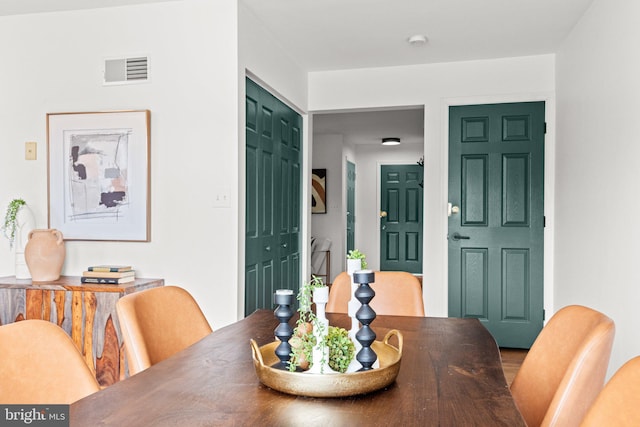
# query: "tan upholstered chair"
{"type": "Point", "coordinates": [565, 368]}
{"type": "Point", "coordinates": [398, 293]}
{"type": "Point", "coordinates": [40, 364]}
{"type": "Point", "coordinates": [157, 323]}
{"type": "Point", "coordinates": [618, 403]}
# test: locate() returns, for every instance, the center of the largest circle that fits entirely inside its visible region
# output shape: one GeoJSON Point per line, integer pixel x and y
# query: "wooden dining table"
{"type": "Point", "coordinates": [450, 375]}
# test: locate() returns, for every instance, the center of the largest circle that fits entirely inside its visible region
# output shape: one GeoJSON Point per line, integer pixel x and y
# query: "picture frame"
{"type": "Point", "coordinates": [98, 168]}
{"type": "Point", "coordinates": [319, 191]}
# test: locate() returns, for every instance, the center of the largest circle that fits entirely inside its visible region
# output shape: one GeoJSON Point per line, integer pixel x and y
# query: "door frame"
{"type": "Point", "coordinates": [549, 183]}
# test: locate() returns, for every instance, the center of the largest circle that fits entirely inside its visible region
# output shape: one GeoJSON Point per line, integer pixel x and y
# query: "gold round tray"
{"type": "Point", "coordinates": [329, 385]}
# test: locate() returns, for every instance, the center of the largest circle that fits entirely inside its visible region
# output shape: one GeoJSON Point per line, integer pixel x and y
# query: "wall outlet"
{"type": "Point", "coordinates": [30, 150]}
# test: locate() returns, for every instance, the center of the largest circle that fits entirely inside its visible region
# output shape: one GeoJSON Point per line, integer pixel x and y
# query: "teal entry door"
{"type": "Point", "coordinates": [496, 224]}
{"type": "Point", "coordinates": [401, 218]}
{"type": "Point", "coordinates": [273, 197]}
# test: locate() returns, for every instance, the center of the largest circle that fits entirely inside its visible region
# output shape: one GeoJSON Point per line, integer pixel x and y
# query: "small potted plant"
{"type": "Point", "coordinates": [356, 260]}
{"type": "Point", "coordinates": [10, 224]}
{"type": "Point", "coordinates": [313, 333]}
{"type": "Point", "coordinates": [341, 349]}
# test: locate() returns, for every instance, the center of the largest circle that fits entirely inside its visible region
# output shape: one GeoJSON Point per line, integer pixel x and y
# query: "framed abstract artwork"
{"type": "Point", "coordinates": [319, 191]}
{"type": "Point", "coordinates": [99, 175]}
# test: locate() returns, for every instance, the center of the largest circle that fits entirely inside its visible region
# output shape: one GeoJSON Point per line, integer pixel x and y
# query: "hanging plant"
{"type": "Point", "coordinates": [10, 224]}
{"type": "Point", "coordinates": [303, 340]}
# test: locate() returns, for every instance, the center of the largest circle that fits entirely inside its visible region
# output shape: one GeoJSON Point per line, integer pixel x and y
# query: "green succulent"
{"type": "Point", "coordinates": [341, 349]}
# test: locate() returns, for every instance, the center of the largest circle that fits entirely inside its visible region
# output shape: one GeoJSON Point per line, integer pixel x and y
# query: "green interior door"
{"type": "Point", "coordinates": [496, 177]}
{"type": "Point", "coordinates": [401, 218]}
{"type": "Point", "coordinates": [273, 195]}
{"type": "Point", "coordinates": [351, 206]}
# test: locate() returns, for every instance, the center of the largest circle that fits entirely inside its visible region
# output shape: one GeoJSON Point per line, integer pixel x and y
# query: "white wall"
{"type": "Point", "coordinates": [598, 93]}
{"type": "Point", "coordinates": [264, 60]}
{"type": "Point", "coordinates": [52, 63]}
{"type": "Point", "coordinates": [328, 154]}
{"type": "Point", "coordinates": [436, 86]}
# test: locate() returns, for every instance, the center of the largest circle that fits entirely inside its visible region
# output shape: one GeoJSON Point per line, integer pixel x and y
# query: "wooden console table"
{"type": "Point", "coordinates": [87, 312]}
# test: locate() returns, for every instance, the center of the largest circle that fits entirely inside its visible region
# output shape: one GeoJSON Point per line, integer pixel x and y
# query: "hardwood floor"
{"type": "Point", "coordinates": [511, 361]}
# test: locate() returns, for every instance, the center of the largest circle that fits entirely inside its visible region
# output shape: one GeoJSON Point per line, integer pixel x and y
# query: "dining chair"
{"type": "Point", "coordinates": [157, 323]}
{"type": "Point", "coordinates": [564, 370]}
{"type": "Point", "coordinates": [40, 364]}
{"type": "Point", "coordinates": [398, 293]}
{"type": "Point", "coordinates": [617, 404]}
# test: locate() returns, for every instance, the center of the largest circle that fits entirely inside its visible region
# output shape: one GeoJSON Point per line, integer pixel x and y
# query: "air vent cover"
{"type": "Point", "coordinates": [126, 70]}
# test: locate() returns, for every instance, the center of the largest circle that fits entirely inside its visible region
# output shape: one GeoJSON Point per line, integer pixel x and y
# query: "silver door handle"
{"type": "Point", "coordinates": [456, 236]}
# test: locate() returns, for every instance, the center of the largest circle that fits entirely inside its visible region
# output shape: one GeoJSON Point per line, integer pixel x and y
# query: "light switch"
{"type": "Point", "coordinates": [31, 150]}
{"type": "Point", "coordinates": [221, 196]}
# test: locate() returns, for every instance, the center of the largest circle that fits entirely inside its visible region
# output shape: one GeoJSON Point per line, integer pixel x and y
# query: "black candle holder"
{"type": "Point", "coordinates": [365, 315]}
{"type": "Point", "coordinates": [283, 298]}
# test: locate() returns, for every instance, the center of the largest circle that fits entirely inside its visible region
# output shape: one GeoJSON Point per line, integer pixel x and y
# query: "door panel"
{"type": "Point", "coordinates": [351, 205]}
{"type": "Point", "coordinates": [496, 175]}
{"type": "Point", "coordinates": [401, 227]}
{"type": "Point", "coordinates": [273, 198]}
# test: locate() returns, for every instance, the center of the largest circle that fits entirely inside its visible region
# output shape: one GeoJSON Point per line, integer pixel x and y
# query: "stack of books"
{"type": "Point", "coordinates": [108, 274]}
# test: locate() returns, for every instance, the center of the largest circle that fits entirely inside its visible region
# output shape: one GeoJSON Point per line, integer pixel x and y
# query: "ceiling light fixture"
{"type": "Point", "coordinates": [391, 141]}
{"type": "Point", "coordinates": [417, 40]}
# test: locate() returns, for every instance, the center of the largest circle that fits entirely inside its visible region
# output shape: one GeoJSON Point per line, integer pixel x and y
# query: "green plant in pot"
{"type": "Point", "coordinates": [356, 254]}
{"type": "Point", "coordinates": [10, 223]}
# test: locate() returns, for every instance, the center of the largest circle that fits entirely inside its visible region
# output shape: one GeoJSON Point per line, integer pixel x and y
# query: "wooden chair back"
{"type": "Point", "coordinates": [40, 364]}
{"type": "Point", "coordinates": [157, 323]}
{"type": "Point", "coordinates": [565, 368]}
{"type": "Point", "coordinates": [398, 293]}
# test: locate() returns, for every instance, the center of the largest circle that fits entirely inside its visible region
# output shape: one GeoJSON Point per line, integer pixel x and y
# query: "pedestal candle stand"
{"type": "Point", "coordinates": [283, 298]}
{"type": "Point", "coordinates": [365, 314]}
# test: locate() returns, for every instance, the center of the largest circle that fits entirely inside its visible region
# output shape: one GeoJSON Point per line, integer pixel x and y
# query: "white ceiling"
{"type": "Point", "coordinates": [21, 7]}
{"type": "Point", "coordinates": [343, 34]}
{"type": "Point", "coordinates": [369, 127]}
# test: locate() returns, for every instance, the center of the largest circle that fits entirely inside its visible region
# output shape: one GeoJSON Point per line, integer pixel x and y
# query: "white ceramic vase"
{"type": "Point", "coordinates": [320, 331]}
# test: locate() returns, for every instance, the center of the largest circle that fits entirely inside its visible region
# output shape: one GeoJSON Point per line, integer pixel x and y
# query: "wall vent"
{"type": "Point", "coordinates": [126, 70]}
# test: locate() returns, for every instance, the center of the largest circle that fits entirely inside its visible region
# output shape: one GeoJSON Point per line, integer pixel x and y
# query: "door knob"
{"type": "Point", "coordinates": [456, 236]}
{"type": "Point", "coordinates": [383, 214]}
{"type": "Point", "coordinates": [452, 209]}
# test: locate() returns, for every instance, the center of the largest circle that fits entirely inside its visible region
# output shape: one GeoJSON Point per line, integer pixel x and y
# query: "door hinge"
{"type": "Point", "coordinates": [545, 128]}
{"type": "Point", "coordinates": [544, 221]}
{"type": "Point", "coordinates": [544, 314]}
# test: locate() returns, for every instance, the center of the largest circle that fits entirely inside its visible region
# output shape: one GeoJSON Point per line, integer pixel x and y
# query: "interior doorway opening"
{"type": "Point", "coordinates": [355, 137]}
